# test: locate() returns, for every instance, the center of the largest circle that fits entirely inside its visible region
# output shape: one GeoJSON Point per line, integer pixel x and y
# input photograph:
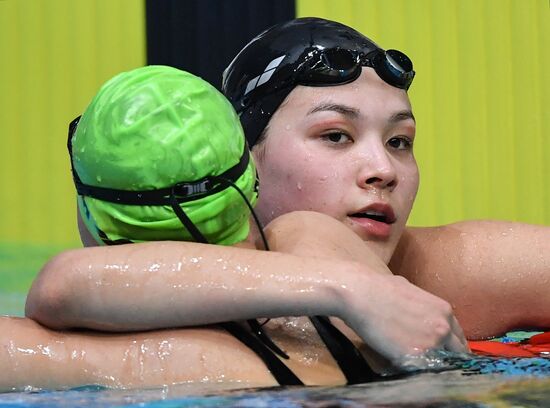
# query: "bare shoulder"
{"type": "Point", "coordinates": [308, 233]}
{"type": "Point", "coordinates": [467, 244]}
{"type": "Point", "coordinates": [301, 219]}
{"type": "Point", "coordinates": [480, 267]}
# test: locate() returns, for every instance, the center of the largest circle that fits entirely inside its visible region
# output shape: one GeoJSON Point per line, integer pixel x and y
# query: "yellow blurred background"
{"type": "Point", "coordinates": [481, 98]}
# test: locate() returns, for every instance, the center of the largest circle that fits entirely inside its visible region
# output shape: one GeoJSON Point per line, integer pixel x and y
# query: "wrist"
{"type": "Point", "coordinates": [341, 291]}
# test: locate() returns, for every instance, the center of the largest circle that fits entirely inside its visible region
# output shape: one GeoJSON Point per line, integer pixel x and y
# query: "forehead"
{"type": "Point", "coordinates": [369, 94]}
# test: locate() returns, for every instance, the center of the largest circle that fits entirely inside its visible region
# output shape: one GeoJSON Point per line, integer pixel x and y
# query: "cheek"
{"type": "Point", "coordinates": [320, 186]}
{"type": "Point", "coordinates": [281, 185]}
{"type": "Point", "coordinates": [297, 182]}
{"type": "Point", "coordinates": [409, 184]}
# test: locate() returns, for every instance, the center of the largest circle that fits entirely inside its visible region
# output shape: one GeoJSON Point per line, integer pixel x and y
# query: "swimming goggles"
{"type": "Point", "coordinates": [325, 67]}
{"type": "Point", "coordinates": [316, 66]}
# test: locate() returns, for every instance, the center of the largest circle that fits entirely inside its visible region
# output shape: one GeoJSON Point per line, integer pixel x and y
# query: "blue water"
{"type": "Point", "coordinates": [446, 389]}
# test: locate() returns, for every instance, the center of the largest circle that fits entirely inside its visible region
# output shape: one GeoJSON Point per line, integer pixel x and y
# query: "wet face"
{"type": "Point", "coordinates": [345, 151]}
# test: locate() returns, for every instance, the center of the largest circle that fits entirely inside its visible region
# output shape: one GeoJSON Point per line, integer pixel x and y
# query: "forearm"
{"type": "Point", "coordinates": [495, 274]}
{"type": "Point", "coordinates": [159, 285]}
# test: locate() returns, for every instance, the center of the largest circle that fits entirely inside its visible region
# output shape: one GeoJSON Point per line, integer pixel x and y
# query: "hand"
{"type": "Point", "coordinates": [397, 319]}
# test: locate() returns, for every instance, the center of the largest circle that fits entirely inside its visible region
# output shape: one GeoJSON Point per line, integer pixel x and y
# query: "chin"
{"type": "Point", "coordinates": [383, 247]}
{"type": "Point", "coordinates": [384, 250]}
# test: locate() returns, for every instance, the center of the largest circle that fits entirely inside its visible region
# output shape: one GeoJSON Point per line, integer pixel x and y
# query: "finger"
{"type": "Point", "coordinates": [459, 333]}
{"type": "Point", "coordinates": [456, 345]}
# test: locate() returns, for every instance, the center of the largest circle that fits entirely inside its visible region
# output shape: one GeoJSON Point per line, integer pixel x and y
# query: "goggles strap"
{"type": "Point", "coordinates": [186, 221]}
{"type": "Point", "coordinates": [256, 219]}
{"type": "Point", "coordinates": [163, 196]}
{"type": "Point", "coordinates": [182, 192]}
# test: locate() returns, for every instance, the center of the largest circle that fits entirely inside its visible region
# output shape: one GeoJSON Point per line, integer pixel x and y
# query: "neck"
{"type": "Point", "coordinates": [254, 238]}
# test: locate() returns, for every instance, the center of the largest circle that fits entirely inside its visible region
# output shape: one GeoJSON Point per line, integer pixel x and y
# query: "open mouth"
{"type": "Point", "coordinates": [387, 217]}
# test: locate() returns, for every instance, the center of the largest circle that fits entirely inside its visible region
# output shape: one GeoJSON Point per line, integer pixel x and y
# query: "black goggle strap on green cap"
{"type": "Point", "coordinates": [173, 195]}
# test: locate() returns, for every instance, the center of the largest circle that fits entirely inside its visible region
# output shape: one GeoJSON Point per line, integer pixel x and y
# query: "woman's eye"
{"type": "Point", "coordinates": [400, 143]}
{"type": "Point", "coordinates": [337, 137]}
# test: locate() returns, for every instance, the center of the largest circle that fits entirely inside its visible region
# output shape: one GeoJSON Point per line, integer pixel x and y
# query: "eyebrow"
{"type": "Point", "coordinates": [400, 116]}
{"type": "Point", "coordinates": [348, 111]}
{"type": "Point", "coordinates": [354, 113]}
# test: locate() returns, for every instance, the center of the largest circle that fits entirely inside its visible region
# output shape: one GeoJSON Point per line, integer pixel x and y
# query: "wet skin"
{"type": "Point", "coordinates": [343, 151]}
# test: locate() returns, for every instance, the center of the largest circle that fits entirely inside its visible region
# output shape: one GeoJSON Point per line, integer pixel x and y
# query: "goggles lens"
{"type": "Point", "coordinates": [339, 66]}
{"type": "Point", "coordinates": [394, 67]}
{"type": "Point", "coordinates": [330, 66]}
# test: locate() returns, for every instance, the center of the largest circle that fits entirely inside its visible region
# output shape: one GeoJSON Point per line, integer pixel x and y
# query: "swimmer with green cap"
{"type": "Point", "coordinates": [157, 148]}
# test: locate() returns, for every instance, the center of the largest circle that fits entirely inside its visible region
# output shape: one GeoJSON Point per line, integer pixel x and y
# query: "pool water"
{"type": "Point", "coordinates": [446, 389]}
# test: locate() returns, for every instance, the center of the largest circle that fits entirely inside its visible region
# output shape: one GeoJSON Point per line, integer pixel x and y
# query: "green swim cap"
{"type": "Point", "coordinates": [145, 136]}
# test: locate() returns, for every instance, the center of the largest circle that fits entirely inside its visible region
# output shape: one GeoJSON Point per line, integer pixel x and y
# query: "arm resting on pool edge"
{"type": "Point", "coordinates": [496, 274]}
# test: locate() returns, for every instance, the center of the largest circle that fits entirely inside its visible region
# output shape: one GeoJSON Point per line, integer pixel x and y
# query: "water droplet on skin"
{"type": "Point", "coordinates": [154, 267]}
{"type": "Point", "coordinates": [299, 186]}
{"type": "Point", "coordinates": [287, 127]}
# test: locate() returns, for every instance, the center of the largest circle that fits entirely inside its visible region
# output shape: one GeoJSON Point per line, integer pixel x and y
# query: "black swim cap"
{"type": "Point", "coordinates": [305, 51]}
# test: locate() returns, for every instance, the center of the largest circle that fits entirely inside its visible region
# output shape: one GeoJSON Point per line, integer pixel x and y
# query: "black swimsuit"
{"type": "Point", "coordinates": [350, 360]}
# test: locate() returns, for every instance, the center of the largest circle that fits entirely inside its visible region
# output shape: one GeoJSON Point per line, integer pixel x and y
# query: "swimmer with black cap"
{"type": "Point", "coordinates": [313, 56]}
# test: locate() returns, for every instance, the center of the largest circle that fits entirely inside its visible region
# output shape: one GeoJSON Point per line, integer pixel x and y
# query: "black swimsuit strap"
{"type": "Point", "coordinates": [350, 360]}
{"type": "Point", "coordinates": [278, 369]}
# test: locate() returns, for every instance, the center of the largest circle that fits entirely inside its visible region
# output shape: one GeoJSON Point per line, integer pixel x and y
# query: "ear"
{"type": "Point", "coordinates": [85, 236]}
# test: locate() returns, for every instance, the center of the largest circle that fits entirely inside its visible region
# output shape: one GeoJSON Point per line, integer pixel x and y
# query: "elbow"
{"type": "Point", "coordinates": [49, 301]}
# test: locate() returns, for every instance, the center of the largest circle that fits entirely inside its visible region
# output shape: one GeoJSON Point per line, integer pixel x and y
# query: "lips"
{"type": "Point", "coordinates": [375, 220]}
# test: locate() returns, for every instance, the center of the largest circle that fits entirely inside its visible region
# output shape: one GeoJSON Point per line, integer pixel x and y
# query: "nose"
{"type": "Point", "coordinates": [378, 171]}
